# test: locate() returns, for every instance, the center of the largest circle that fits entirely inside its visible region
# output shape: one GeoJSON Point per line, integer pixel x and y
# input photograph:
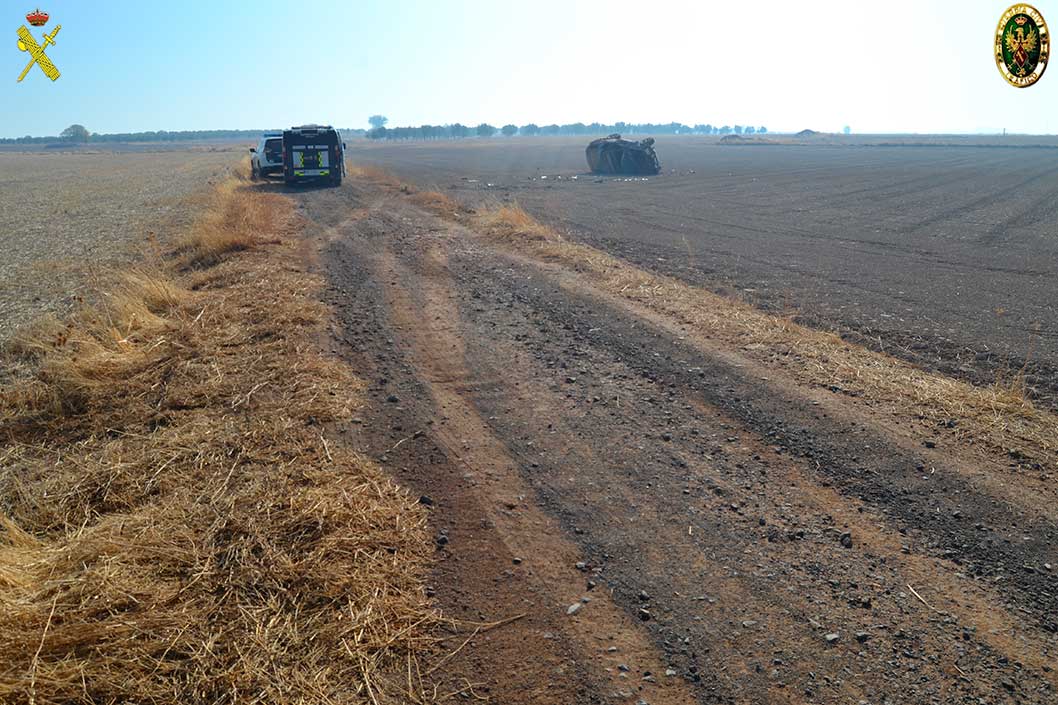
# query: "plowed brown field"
{"type": "Point", "coordinates": [944, 255]}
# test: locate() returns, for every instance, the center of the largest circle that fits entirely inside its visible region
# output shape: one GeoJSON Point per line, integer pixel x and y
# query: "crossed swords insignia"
{"type": "Point", "coordinates": [26, 42]}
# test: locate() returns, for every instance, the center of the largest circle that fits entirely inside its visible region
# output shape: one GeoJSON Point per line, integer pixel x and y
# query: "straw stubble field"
{"type": "Point", "coordinates": [175, 523]}
{"type": "Point", "coordinates": [66, 216]}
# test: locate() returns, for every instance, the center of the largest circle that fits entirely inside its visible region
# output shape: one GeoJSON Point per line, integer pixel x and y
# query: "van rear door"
{"type": "Point", "coordinates": [310, 152]}
{"type": "Point", "coordinates": [310, 159]}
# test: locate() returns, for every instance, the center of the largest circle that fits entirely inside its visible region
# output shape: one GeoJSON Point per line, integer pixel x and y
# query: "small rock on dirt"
{"type": "Point", "coordinates": [574, 608]}
{"type": "Point", "coordinates": [832, 637]}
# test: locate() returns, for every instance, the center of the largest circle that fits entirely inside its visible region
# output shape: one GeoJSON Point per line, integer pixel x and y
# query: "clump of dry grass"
{"type": "Point", "coordinates": [509, 221]}
{"type": "Point", "coordinates": [437, 203]}
{"type": "Point", "coordinates": [127, 331]}
{"type": "Point", "coordinates": [374, 174]}
{"type": "Point", "coordinates": [175, 525]}
{"type": "Point", "coordinates": [233, 219]}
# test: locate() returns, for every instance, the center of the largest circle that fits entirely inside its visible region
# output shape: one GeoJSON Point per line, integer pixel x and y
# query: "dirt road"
{"type": "Point", "coordinates": [662, 519]}
{"type": "Point", "coordinates": [943, 255]}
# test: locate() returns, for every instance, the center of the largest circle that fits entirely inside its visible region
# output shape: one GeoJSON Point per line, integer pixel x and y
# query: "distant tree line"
{"type": "Point", "coordinates": [459, 131]}
{"type": "Point", "coordinates": [78, 133]}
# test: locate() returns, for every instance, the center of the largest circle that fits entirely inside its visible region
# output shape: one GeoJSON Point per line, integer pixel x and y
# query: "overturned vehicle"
{"type": "Point", "coordinates": [613, 155]}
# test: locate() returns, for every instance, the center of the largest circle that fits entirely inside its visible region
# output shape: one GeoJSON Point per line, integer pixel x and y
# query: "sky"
{"type": "Point", "coordinates": [882, 67]}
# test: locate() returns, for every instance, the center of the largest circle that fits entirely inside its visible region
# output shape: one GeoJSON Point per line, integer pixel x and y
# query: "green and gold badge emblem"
{"type": "Point", "coordinates": [1023, 45]}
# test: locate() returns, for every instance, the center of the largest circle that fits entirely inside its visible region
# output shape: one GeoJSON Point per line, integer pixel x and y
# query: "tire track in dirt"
{"type": "Point", "coordinates": [743, 505]}
{"type": "Point", "coordinates": [924, 487]}
{"type": "Point", "coordinates": [430, 324]}
{"type": "Point", "coordinates": [490, 520]}
{"type": "Point", "coordinates": [1001, 635]}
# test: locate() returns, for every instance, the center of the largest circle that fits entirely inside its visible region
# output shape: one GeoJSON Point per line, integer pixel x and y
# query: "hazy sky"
{"type": "Point", "coordinates": [889, 66]}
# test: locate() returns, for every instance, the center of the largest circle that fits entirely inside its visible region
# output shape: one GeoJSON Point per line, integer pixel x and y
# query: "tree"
{"type": "Point", "coordinates": [75, 133]}
{"type": "Point", "coordinates": [509, 130]}
{"type": "Point", "coordinates": [377, 121]}
{"type": "Point", "coordinates": [725, 130]}
{"type": "Point", "coordinates": [762, 130]}
{"type": "Point", "coordinates": [458, 130]}
{"type": "Point", "coordinates": [847, 130]}
{"type": "Point", "coordinates": [485, 130]}
{"type": "Point", "coordinates": [530, 129]}
{"type": "Point", "coordinates": [738, 129]}
{"type": "Point", "coordinates": [749, 130]}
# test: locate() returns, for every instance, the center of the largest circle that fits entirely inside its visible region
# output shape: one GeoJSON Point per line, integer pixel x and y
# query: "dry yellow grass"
{"type": "Point", "coordinates": [432, 200]}
{"type": "Point", "coordinates": [124, 332]}
{"type": "Point", "coordinates": [509, 221]}
{"type": "Point", "coordinates": [233, 218]}
{"type": "Point", "coordinates": [437, 202]}
{"type": "Point", "coordinates": [373, 174]}
{"type": "Point", "coordinates": [175, 524]}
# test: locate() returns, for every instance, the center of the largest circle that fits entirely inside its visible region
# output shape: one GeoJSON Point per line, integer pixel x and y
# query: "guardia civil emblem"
{"type": "Point", "coordinates": [1023, 45]}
